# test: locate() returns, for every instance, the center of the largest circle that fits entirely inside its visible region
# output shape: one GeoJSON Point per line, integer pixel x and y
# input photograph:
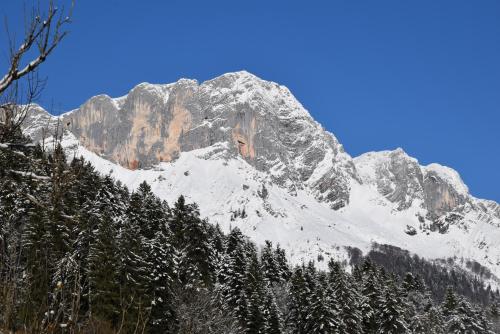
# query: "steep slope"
{"type": "Point", "coordinates": [232, 193]}
{"type": "Point", "coordinates": [252, 157]}
{"type": "Point", "coordinates": [259, 120]}
{"type": "Point", "coordinates": [436, 190]}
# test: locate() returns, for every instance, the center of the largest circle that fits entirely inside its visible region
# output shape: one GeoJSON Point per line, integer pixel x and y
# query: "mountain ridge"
{"type": "Point", "coordinates": [256, 131]}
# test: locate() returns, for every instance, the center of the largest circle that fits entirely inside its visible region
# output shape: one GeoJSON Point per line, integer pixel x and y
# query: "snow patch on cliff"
{"type": "Point", "coordinates": [450, 176]}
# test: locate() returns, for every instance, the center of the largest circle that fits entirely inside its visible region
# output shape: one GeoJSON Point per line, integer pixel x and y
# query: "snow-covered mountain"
{"type": "Point", "coordinates": [251, 156]}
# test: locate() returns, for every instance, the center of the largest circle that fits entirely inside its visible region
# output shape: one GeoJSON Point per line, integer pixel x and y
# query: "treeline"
{"type": "Point", "coordinates": [79, 253]}
{"type": "Point", "coordinates": [437, 275]}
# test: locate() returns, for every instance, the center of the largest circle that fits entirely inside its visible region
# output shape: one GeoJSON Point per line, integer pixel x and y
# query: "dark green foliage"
{"type": "Point", "coordinates": [436, 275]}
{"type": "Point", "coordinates": [392, 313]}
{"type": "Point", "coordinates": [429, 322]}
{"type": "Point", "coordinates": [346, 300]}
{"type": "Point", "coordinates": [282, 262]}
{"type": "Point", "coordinates": [163, 318]}
{"type": "Point", "coordinates": [270, 264]}
{"type": "Point", "coordinates": [254, 294]}
{"type": "Point", "coordinates": [196, 258]}
{"type": "Point", "coordinates": [450, 302]}
{"type": "Point", "coordinates": [80, 254]}
{"type": "Point", "coordinates": [465, 319]}
{"type": "Point", "coordinates": [321, 317]}
{"type": "Point", "coordinates": [300, 297]}
{"type": "Point", "coordinates": [372, 298]}
{"type": "Point", "coordinates": [104, 273]}
{"type": "Point", "coordinates": [273, 323]}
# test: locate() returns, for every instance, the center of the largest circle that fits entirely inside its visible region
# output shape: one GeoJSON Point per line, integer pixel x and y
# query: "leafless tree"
{"type": "Point", "coordinates": [44, 29]}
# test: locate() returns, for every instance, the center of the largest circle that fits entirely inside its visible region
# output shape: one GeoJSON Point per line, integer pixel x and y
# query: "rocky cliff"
{"type": "Point", "coordinates": [261, 121]}
{"type": "Point", "coordinates": [272, 143]}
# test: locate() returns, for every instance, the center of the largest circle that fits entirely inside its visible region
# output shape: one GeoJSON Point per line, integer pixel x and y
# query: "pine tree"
{"type": "Point", "coordinates": [255, 321]}
{"type": "Point", "coordinates": [234, 240]}
{"type": "Point", "coordinates": [345, 300]}
{"type": "Point", "coordinates": [179, 212]}
{"type": "Point", "coordinates": [299, 302]}
{"type": "Point", "coordinates": [196, 262]}
{"type": "Point", "coordinates": [163, 317]}
{"type": "Point", "coordinates": [104, 273]}
{"type": "Point", "coordinates": [270, 264]}
{"type": "Point", "coordinates": [254, 290]}
{"type": "Point", "coordinates": [272, 316]}
{"type": "Point", "coordinates": [371, 300]}
{"type": "Point", "coordinates": [321, 317]}
{"type": "Point", "coordinates": [135, 272]}
{"type": "Point", "coordinates": [392, 313]}
{"type": "Point", "coordinates": [217, 242]}
{"type": "Point", "coordinates": [464, 320]}
{"type": "Point", "coordinates": [282, 263]}
{"type": "Point", "coordinates": [409, 283]}
{"type": "Point", "coordinates": [232, 279]}
{"type": "Point", "coordinates": [435, 321]}
{"type": "Point", "coordinates": [367, 267]}
{"type": "Point", "coordinates": [429, 322]}
{"type": "Point", "coordinates": [482, 323]}
{"type": "Point", "coordinates": [450, 302]}
{"type": "Point", "coordinates": [38, 266]}
{"type": "Point", "coordinates": [58, 231]}
{"type": "Point", "coordinates": [357, 274]}
{"type": "Point", "coordinates": [146, 210]}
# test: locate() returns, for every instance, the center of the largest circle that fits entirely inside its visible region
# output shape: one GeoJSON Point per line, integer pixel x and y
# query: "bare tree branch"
{"type": "Point", "coordinates": [46, 34]}
{"type": "Point", "coordinates": [43, 33]}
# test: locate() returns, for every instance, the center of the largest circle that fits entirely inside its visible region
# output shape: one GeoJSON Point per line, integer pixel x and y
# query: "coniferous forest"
{"type": "Point", "coordinates": [80, 253]}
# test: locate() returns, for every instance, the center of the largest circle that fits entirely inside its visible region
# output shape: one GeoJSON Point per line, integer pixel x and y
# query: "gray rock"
{"type": "Point", "coordinates": [440, 197]}
{"type": "Point", "coordinates": [262, 123]}
{"type": "Point", "coordinates": [259, 120]}
{"type": "Point", "coordinates": [438, 190]}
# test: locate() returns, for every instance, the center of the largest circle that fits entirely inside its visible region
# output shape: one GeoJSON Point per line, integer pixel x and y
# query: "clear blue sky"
{"type": "Point", "coordinates": [422, 75]}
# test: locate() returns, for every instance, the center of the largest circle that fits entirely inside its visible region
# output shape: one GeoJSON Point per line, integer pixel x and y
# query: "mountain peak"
{"type": "Point", "coordinates": [239, 74]}
{"type": "Point", "coordinates": [449, 175]}
{"type": "Point", "coordinates": [250, 144]}
{"type": "Point", "coordinates": [400, 151]}
{"type": "Point", "coordinates": [258, 121]}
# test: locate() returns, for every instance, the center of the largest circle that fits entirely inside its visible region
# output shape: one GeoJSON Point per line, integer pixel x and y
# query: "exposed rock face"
{"type": "Point", "coordinates": [437, 189]}
{"type": "Point", "coordinates": [264, 124]}
{"type": "Point", "coordinates": [441, 196]}
{"type": "Point", "coordinates": [261, 121]}
{"type": "Point", "coordinates": [241, 143]}
{"type": "Point", "coordinates": [138, 131]}
{"type": "Point", "coordinates": [39, 124]}
{"type": "Point", "coordinates": [396, 175]}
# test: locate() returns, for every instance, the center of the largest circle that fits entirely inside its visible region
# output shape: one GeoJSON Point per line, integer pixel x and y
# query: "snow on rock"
{"type": "Point", "coordinates": [305, 227]}
{"type": "Point", "coordinates": [260, 121]}
{"type": "Point", "coordinates": [238, 142]}
{"type": "Point", "coordinates": [449, 175]}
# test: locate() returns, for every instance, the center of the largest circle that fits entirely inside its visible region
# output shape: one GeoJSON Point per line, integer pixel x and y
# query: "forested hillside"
{"type": "Point", "coordinates": [81, 254]}
{"type": "Point", "coordinates": [437, 274]}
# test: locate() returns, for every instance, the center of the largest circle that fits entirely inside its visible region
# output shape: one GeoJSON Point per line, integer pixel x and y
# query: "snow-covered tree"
{"type": "Point", "coordinates": [273, 323]}
{"type": "Point", "coordinates": [321, 318]}
{"type": "Point", "coordinates": [163, 276]}
{"type": "Point", "coordinates": [270, 263]}
{"type": "Point", "coordinates": [450, 302]}
{"type": "Point", "coordinates": [346, 300]}
{"type": "Point", "coordinates": [254, 291]}
{"type": "Point", "coordinates": [104, 273]}
{"type": "Point", "coordinates": [392, 313]}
